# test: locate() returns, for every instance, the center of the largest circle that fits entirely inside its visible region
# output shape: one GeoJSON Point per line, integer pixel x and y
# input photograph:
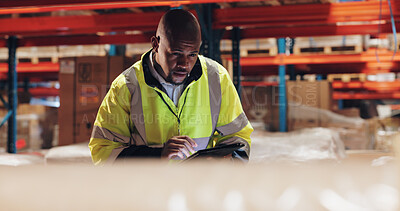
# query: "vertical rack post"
{"type": "Point", "coordinates": [282, 87]}
{"type": "Point", "coordinates": [211, 38]}
{"type": "Point", "coordinates": [237, 72]}
{"type": "Point", "coordinates": [12, 94]}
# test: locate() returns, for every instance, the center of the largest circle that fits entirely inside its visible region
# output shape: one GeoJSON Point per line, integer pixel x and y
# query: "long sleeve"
{"type": "Point", "coordinates": [112, 132]}
{"type": "Point", "coordinates": [233, 125]}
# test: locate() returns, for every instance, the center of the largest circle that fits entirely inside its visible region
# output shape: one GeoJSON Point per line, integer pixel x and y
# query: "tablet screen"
{"type": "Point", "coordinates": [218, 151]}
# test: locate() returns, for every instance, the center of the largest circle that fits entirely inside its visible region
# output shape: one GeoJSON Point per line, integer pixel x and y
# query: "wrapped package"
{"type": "Point", "coordinates": [71, 154]}
{"type": "Point", "coordinates": [7, 159]}
{"type": "Point", "coordinates": [297, 146]}
{"type": "Point", "coordinates": [353, 131]}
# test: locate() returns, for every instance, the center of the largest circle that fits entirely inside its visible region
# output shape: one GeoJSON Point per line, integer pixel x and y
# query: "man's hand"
{"type": "Point", "coordinates": [180, 146]}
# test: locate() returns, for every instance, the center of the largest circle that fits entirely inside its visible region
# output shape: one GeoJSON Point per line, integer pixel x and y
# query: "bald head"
{"type": "Point", "coordinates": [178, 25]}
{"type": "Point", "coordinates": [176, 45]}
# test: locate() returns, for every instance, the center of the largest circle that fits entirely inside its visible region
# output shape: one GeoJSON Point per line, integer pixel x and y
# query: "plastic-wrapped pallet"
{"type": "Point", "coordinates": [299, 146]}
{"type": "Point", "coordinates": [71, 154]}
{"type": "Point", "coordinates": [7, 159]}
{"type": "Point", "coordinates": [353, 131]}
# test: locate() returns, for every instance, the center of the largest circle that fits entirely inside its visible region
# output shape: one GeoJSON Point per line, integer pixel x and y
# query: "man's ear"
{"type": "Point", "coordinates": [155, 43]}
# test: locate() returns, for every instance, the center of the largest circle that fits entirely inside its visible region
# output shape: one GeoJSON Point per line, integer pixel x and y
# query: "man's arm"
{"type": "Point", "coordinates": [112, 133]}
{"type": "Point", "coordinates": [177, 146]}
{"type": "Point", "coordinates": [233, 125]}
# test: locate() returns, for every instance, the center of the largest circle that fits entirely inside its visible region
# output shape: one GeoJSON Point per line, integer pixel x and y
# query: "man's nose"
{"type": "Point", "coordinates": [183, 62]}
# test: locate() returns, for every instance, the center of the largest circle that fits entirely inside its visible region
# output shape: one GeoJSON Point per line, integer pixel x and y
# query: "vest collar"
{"type": "Point", "coordinates": [150, 80]}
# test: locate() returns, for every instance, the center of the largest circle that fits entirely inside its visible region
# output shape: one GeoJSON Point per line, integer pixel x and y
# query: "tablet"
{"type": "Point", "coordinates": [218, 151]}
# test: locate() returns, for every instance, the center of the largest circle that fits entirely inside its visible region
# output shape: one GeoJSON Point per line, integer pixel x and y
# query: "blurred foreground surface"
{"type": "Point", "coordinates": [355, 183]}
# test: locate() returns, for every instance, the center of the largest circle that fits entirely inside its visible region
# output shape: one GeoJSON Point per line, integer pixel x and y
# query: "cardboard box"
{"type": "Point", "coordinates": [67, 101]}
{"type": "Point", "coordinates": [29, 126]}
{"type": "Point", "coordinates": [315, 94]}
{"type": "Point", "coordinates": [84, 81]}
{"type": "Point", "coordinates": [261, 103]}
{"type": "Point", "coordinates": [349, 112]}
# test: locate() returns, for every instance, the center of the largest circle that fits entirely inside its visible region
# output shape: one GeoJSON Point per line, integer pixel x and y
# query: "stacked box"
{"type": "Point", "coordinates": [29, 126]}
{"type": "Point", "coordinates": [84, 81]}
{"type": "Point", "coordinates": [316, 94]}
{"type": "Point", "coordinates": [260, 103]}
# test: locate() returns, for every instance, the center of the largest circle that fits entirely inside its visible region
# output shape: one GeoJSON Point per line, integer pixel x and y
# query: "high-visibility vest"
{"type": "Point", "coordinates": [136, 111]}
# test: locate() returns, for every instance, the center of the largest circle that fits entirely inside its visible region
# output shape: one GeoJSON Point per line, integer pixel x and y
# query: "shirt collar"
{"type": "Point", "coordinates": [151, 79]}
{"type": "Point", "coordinates": [154, 72]}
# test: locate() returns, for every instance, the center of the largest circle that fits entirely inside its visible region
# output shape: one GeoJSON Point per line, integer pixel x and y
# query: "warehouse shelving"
{"type": "Point", "coordinates": [255, 22]}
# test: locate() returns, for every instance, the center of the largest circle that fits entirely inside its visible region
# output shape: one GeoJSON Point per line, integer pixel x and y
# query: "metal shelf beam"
{"type": "Point", "coordinates": [27, 67]}
{"type": "Point", "coordinates": [90, 39]}
{"type": "Point", "coordinates": [84, 40]}
{"type": "Point", "coordinates": [317, 30]}
{"type": "Point", "coordinates": [73, 24]}
{"type": "Point", "coordinates": [364, 96]}
{"type": "Point", "coordinates": [364, 57]}
{"type": "Point", "coordinates": [29, 6]}
{"type": "Point", "coordinates": [387, 86]}
{"type": "Point", "coordinates": [306, 14]}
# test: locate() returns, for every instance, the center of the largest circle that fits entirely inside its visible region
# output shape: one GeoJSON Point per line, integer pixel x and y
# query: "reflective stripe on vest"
{"type": "Point", "coordinates": [139, 138]}
{"type": "Point", "coordinates": [103, 133]}
{"type": "Point", "coordinates": [214, 88]}
{"type": "Point", "coordinates": [235, 126]}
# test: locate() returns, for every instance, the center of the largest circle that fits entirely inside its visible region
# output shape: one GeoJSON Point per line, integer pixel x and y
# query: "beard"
{"type": "Point", "coordinates": [170, 77]}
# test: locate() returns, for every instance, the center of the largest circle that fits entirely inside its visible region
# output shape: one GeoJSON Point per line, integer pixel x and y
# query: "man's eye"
{"type": "Point", "coordinates": [192, 55]}
{"type": "Point", "coordinates": [176, 54]}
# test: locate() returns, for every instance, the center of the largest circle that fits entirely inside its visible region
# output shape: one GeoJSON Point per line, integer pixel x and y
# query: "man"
{"type": "Point", "coordinates": [171, 103]}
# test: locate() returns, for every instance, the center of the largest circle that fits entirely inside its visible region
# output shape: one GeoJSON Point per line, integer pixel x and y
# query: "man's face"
{"type": "Point", "coordinates": [176, 58]}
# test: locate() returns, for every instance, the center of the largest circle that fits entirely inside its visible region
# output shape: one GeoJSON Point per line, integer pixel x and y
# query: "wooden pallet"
{"type": "Point", "coordinates": [328, 44]}
{"type": "Point", "coordinates": [273, 51]}
{"type": "Point", "coordinates": [53, 53]}
{"type": "Point", "coordinates": [354, 49]}
{"type": "Point", "coordinates": [81, 50]}
{"type": "Point", "coordinates": [137, 49]}
{"type": "Point", "coordinates": [36, 60]}
{"type": "Point", "coordinates": [251, 47]}
{"type": "Point", "coordinates": [347, 77]}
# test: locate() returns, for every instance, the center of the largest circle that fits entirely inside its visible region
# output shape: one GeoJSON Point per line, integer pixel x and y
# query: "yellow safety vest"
{"type": "Point", "coordinates": [137, 112]}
